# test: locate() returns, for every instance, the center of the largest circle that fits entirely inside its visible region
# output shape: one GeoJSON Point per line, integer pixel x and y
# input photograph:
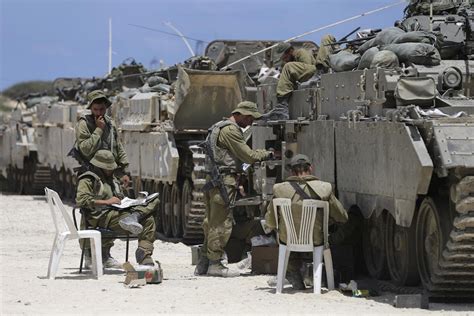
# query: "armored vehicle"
{"type": "Point", "coordinates": [163, 124]}
{"type": "Point", "coordinates": [397, 143]}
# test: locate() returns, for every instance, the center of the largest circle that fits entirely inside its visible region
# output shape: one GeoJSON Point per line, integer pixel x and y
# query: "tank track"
{"type": "Point", "coordinates": [193, 232]}
{"type": "Point", "coordinates": [455, 273]}
{"type": "Point", "coordinates": [41, 179]}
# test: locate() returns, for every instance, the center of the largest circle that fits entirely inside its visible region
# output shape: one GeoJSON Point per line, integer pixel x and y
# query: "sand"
{"type": "Point", "coordinates": [27, 234]}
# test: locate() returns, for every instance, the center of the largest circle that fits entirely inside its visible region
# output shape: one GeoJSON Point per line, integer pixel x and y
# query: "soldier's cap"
{"type": "Point", "coordinates": [104, 159]}
{"type": "Point", "coordinates": [96, 95]}
{"type": "Point", "coordinates": [247, 108]}
{"type": "Point", "coordinates": [281, 48]}
{"type": "Point", "coordinates": [299, 159]}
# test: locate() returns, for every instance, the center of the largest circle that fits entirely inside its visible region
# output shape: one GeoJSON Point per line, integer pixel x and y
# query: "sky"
{"type": "Point", "coordinates": [47, 39]}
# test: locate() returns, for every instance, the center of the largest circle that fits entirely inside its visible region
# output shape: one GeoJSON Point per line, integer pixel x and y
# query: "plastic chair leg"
{"type": "Point", "coordinates": [96, 252]}
{"type": "Point", "coordinates": [83, 252]}
{"type": "Point", "coordinates": [56, 253]}
{"type": "Point", "coordinates": [126, 251]}
{"type": "Point", "coordinates": [317, 269]}
{"type": "Point", "coordinates": [283, 256]}
{"type": "Point", "coordinates": [329, 269]}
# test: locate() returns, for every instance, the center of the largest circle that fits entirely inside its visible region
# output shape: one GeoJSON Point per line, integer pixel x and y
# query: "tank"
{"type": "Point", "coordinates": [163, 124]}
{"type": "Point", "coordinates": [396, 144]}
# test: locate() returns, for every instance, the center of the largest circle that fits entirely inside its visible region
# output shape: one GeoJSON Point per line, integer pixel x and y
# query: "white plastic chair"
{"type": "Point", "coordinates": [304, 241]}
{"type": "Point", "coordinates": [66, 230]}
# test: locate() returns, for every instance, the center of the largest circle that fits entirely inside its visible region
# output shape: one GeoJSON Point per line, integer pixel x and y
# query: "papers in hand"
{"type": "Point", "coordinates": [143, 199]}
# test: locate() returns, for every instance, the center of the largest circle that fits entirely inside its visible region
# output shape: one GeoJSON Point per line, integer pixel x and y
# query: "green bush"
{"type": "Point", "coordinates": [22, 89]}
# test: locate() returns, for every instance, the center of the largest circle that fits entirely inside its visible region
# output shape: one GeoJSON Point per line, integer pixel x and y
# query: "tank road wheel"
{"type": "Point", "coordinates": [68, 185]}
{"type": "Point", "coordinates": [176, 219]}
{"type": "Point", "coordinates": [430, 240]}
{"type": "Point", "coordinates": [166, 209]}
{"type": "Point", "coordinates": [186, 199]}
{"type": "Point", "coordinates": [73, 186]}
{"type": "Point", "coordinates": [401, 253]}
{"type": "Point", "coordinates": [137, 185]}
{"type": "Point", "coordinates": [373, 242]}
{"type": "Point", "coordinates": [157, 186]}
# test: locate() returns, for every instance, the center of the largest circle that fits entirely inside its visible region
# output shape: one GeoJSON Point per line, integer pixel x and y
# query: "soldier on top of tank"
{"type": "Point", "coordinates": [97, 131]}
{"type": "Point", "coordinates": [298, 65]}
{"type": "Point", "coordinates": [226, 150]}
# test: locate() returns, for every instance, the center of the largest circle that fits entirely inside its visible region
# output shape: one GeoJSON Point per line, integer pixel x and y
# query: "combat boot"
{"type": "Point", "coordinates": [216, 268]}
{"type": "Point", "coordinates": [202, 266]}
{"type": "Point", "coordinates": [279, 112]}
{"type": "Point", "coordinates": [296, 280]}
{"type": "Point", "coordinates": [108, 261]}
{"type": "Point", "coordinates": [131, 224]}
{"type": "Point", "coordinates": [144, 252]}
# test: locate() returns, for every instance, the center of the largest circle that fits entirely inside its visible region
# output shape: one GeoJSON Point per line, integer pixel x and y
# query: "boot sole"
{"type": "Point", "coordinates": [132, 228]}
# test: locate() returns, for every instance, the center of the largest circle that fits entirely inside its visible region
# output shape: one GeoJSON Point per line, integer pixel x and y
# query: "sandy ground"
{"type": "Point", "coordinates": [26, 238]}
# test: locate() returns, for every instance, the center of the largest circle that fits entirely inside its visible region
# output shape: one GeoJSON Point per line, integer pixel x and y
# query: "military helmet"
{"type": "Point", "coordinates": [299, 159]}
{"type": "Point", "coordinates": [247, 108]}
{"type": "Point", "coordinates": [104, 159]}
{"type": "Point", "coordinates": [96, 95]}
{"type": "Point", "coordinates": [281, 48]}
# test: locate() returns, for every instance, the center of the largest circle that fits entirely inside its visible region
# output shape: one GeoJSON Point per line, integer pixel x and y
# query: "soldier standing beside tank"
{"type": "Point", "coordinates": [98, 189]}
{"type": "Point", "coordinates": [226, 150]}
{"type": "Point", "coordinates": [299, 186]}
{"type": "Point", "coordinates": [96, 131]}
{"type": "Point", "coordinates": [298, 65]}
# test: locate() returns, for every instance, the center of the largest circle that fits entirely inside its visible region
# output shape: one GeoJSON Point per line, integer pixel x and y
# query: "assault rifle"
{"type": "Point", "coordinates": [216, 176]}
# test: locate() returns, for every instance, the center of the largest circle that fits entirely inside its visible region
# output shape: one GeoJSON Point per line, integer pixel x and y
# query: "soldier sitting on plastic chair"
{"type": "Point", "coordinates": [97, 190]}
{"type": "Point", "coordinates": [302, 185]}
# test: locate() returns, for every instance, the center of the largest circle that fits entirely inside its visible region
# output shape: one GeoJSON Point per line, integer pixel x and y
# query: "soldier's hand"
{"type": "Point", "coordinates": [125, 181]}
{"type": "Point", "coordinates": [114, 200]}
{"type": "Point", "coordinates": [100, 122]}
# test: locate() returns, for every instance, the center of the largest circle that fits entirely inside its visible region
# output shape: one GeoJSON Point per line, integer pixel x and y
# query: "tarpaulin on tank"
{"type": "Point", "coordinates": [343, 61]}
{"type": "Point", "coordinates": [417, 53]}
{"type": "Point", "coordinates": [415, 90]}
{"type": "Point", "coordinates": [204, 97]}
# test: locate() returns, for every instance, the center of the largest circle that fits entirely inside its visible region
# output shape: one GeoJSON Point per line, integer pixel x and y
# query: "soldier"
{"type": "Point", "coordinates": [97, 190]}
{"type": "Point", "coordinates": [302, 185]}
{"type": "Point", "coordinates": [228, 149]}
{"type": "Point", "coordinates": [97, 131]}
{"type": "Point", "coordinates": [299, 65]}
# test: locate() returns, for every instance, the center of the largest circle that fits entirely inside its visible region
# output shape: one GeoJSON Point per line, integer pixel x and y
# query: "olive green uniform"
{"type": "Point", "coordinates": [299, 70]}
{"type": "Point", "coordinates": [316, 189]}
{"type": "Point", "coordinates": [94, 186]}
{"type": "Point", "coordinates": [90, 139]}
{"type": "Point", "coordinates": [231, 150]}
{"type": "Point", "coordinates": [322, 60]}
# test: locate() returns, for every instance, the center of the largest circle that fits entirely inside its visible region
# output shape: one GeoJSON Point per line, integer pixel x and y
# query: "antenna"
{"type": "Point", "coordinates": [182, 37]}
{"type": "Point", "coordinates": [110, 45]}
{"type": "Point", "coordinates": [312, 31]}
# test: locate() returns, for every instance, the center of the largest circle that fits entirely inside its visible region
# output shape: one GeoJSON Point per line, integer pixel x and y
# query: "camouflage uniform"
{"type": "Point", "coordinates": [218, 220]}
{"type": "Point", "coordinates": [299, 70]}
{"type": "Point", "coordinates": [320, 191]}
{"type": "Point", "coordinates": [90, 139]}
{"type": "Point", "coordinates": [95, 185]}
{"type": "Point", "coordinates": [322, 60]}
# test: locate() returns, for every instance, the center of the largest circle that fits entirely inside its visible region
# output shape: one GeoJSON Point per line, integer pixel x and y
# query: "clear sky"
{"type": "Point", "coordinates": [46, 39]}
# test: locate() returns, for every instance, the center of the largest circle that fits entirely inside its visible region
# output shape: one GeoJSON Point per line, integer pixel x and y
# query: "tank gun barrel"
{"type": "Point", "coordinates": [314, 31]}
